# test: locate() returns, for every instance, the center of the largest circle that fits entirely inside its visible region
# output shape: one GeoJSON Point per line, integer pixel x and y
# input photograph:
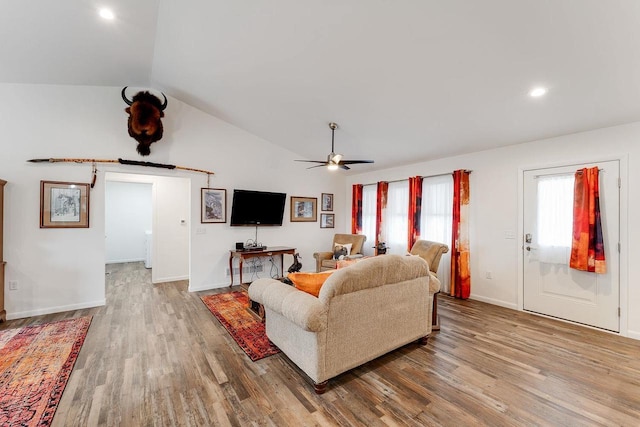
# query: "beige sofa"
{"type": "Point", "coordinates": [362, 312]}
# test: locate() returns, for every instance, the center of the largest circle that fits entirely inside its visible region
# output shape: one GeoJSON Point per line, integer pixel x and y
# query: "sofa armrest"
{"type": "Point", "coordinates": [321, 256]}
{"type": "Point", "coordinates": [299, 307]}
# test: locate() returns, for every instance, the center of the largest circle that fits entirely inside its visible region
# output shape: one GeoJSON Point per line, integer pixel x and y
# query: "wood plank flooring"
{"type": "Point", "coordinates": [155, 356]}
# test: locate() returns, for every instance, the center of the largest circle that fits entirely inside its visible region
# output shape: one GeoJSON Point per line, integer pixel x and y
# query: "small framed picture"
{"type": "Point", "coordinates": [304, 209]}
{"type": "Point", "coordinates": [326, 220]}
{"type": "Point", "coordinates": [327, 202]}
{"type": "Point", "coordinates": [64, 205]}
{"type": "Point", "coordinates": [213, 205]}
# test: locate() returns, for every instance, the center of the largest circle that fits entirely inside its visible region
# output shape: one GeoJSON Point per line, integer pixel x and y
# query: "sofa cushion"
{"type": "Point", "coordinates": [309, 282]}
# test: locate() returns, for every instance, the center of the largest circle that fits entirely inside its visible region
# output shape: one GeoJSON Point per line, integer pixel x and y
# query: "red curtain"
{"type": "Point", "coordinates": [587, 247]}
{"type": "Point", "coordinates": [460, 273]}
{"type": "Point", "coordinates": [356, 209]}
{"type": "Point", "coordinates": [381, 207]}
{"type": "Point", "coordinates": [415, 209]}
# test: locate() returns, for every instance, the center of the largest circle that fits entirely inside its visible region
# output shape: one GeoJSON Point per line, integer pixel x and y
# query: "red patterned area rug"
{"type": "Point", "coordinates": [231, 309]}
{"type": "Point", "coordinates": [35, 364]}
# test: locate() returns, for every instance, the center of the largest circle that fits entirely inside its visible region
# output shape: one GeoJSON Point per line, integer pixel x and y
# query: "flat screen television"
{"type": "Point", "coordinates": [257, 208]}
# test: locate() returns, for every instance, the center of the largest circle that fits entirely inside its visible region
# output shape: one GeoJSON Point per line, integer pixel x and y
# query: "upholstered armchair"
{"type": "Point", "coordinates": [325, 261]}
{"type": "Point", "coordinates": [431, 252]}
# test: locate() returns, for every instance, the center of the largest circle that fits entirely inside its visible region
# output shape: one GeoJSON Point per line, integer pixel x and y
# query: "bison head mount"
{"type": "Point", "coordinates": [145, 113]}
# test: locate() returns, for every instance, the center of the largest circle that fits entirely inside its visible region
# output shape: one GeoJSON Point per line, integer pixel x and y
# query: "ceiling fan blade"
{"type": "Point", "coordinates": [355, 162]}
{"type": "Point", "coordinates": [324, 162]}
{"type": "Point", "coordinates": [334, 160]}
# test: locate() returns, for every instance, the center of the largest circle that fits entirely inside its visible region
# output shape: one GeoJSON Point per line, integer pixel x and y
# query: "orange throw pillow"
{"type": "Point", "coordinates": [309, 282]}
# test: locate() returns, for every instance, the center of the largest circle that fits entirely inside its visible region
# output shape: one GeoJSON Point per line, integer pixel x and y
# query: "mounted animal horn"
{"type": "Point", "coordinates": [145, 113]}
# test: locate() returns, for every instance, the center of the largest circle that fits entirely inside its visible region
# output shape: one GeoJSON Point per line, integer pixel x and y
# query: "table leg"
{"type": "Point", "coordinates": [282, 264]}
{"type": "Point", "coordinates": [231, 269]}
{"type": "Point", "coordinates": [241, 259]}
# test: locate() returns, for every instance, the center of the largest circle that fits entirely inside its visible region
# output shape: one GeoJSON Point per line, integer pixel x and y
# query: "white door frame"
{"type": "Point", "coordinates": [624, 233]}
{"type": "Point", "coordinates": [150, 178]}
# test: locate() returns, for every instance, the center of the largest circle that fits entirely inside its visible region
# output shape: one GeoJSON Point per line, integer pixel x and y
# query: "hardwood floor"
{"type": "Point", "coordinates": [154, 355]}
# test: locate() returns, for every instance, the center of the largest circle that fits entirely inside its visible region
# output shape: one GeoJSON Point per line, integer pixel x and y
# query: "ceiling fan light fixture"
{"type": "Point", "coordinates": [107, 14]}
{"type": "Point", "coordinates": [334, 161]}
{"type": "Point", "coordinates": [538, 92]}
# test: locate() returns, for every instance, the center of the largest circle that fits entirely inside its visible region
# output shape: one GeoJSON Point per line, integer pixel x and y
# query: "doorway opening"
{"type": "Point", "coordinates": [147, 222]}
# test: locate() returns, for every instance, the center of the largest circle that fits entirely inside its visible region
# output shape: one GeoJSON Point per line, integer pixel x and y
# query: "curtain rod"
{"type": "Point", "coordinates": [560, 174]}
{"type": "Point", "coordinates": [424, 176]}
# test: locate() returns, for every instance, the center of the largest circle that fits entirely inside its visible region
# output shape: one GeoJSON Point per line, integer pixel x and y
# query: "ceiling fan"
{"type": "Point", "coordinates": [334, 161]}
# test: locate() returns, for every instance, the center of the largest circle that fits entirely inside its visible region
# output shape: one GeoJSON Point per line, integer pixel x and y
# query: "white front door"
{"type": "Point", "coordinates": [550, 286]}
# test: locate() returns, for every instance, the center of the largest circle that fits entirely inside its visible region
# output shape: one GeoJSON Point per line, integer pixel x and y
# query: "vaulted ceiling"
{"type": "Point", "coordinates": [406, 80]}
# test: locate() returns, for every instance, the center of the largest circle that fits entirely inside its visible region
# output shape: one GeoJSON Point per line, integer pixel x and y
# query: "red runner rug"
{"type": "Point", "coordinates": [231, 309]}
{"type": "Point", "coordinates": [35, 364]}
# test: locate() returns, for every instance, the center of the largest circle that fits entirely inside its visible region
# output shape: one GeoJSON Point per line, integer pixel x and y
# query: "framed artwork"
{"type": "Point", "coordinates": [304, 209]}
{"type": "Point", "coordinates": [326, 220]}
{"type": "Point", "coordinates": [327, 202]}
{"type": "Point", "coordinates": [213, 205]}
{"type": "Point", "coordinates": [64, 205]}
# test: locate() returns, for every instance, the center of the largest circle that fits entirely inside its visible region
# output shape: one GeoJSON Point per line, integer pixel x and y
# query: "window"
{"type": "Point", "coordinates": [555, 218]}
{"type": "Point", "coordinates": [436, 219]}
{"type": "Point", "coordinates": [395, 222]}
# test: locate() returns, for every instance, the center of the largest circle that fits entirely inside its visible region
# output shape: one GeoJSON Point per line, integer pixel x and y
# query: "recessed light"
{"type": "Point", "coordinates": [107, 14]}
{"type": "Point", "coordinates": [538, 92]}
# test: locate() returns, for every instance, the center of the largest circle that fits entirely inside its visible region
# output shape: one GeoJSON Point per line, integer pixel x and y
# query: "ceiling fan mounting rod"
{"type": "Point", "coordinates": [333, 127]}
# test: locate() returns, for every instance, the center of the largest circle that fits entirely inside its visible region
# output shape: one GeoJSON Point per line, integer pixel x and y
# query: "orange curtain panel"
{"type": "Point", "coordinates": [587, 246]}
{"type": "Point", "coordinates": [460, 273]}
{"type": "Point", "coordinates": [356, 209]}
{"type": "Point", "coordinates": [415, 209]}
{"type": "Point", "coordinates": [381, 210]}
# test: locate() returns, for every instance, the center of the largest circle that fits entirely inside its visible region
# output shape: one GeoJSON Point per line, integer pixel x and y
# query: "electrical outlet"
{"type": "Point", "coordinates": [13, 285]}
{"type": "Point", "coordinates": [488, 275]}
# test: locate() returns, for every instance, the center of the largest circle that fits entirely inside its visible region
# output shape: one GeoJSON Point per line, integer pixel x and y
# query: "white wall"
{"type": "Point", "coordinates": [63, 269]}
{"type": "Point", "coordinates": [495, 208]}
{"type": "Point", "coordinates": [127, 218]}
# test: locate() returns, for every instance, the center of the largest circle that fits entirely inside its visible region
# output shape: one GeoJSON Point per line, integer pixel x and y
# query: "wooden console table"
{"type": "Point", "coordinates": [270, 251]}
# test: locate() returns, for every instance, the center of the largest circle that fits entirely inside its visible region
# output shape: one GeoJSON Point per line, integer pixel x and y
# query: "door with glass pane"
{"type": "Point", "coordinates": [550, 286]}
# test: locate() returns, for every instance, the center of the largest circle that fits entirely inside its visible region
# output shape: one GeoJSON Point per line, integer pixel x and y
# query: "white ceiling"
{"type": "Point", "coordinates": [406, 80]}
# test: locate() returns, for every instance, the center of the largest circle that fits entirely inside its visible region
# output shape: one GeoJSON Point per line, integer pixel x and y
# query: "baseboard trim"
{"type": "Point", "coordinates": [633, 334]}
{"type": "Point", "coordinates": [59, 309]}
{"type": "Point", "coordinates": [208, 287]}
{"type": "Point", "coordinates": [169, 279]}
{"type": "Point", "coordinates": [123, 261]}
{"type": "Point", "coordinates": [494, 302]}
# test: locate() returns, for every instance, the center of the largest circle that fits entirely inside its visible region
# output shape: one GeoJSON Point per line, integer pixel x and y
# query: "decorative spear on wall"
{"type": "Point", "coordinates": [122, 162]}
